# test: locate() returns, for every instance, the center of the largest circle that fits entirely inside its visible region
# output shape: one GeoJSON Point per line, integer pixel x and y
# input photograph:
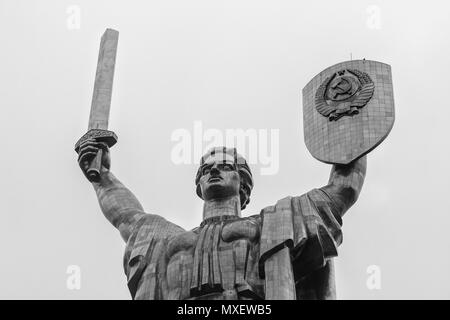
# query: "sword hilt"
{"type": "Point", "coordinates": [100, 135]}
{"type": "Point", "coordinates": [93, 172]}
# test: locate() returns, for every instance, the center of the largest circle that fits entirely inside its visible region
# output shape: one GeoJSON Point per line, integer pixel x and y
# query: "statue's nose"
{"type": "Point", "coordinates": [215, 170]}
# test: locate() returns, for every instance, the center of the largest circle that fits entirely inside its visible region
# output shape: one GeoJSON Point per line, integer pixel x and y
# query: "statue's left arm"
{"type": "Point", "coordinates": [345, 184]}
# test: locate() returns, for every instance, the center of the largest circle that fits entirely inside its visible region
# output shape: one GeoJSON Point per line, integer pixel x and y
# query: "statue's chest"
{"type": "Point", "coordinates": [219, 258]}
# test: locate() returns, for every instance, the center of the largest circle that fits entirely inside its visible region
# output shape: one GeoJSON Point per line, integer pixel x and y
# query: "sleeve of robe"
{"type": "Point", "coordinates": [300, 236]}
{"type": "Point", "coordinates": [144, 259]}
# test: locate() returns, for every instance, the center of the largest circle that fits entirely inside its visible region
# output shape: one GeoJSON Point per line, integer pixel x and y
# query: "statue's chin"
{"type": "Point", "coordinates": [218, 191]}
{"type": "Point", "coordinates": [215, 191]}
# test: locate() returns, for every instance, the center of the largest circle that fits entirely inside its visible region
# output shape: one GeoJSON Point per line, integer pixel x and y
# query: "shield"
{"type": "Point", "coordinates": [348, 110]}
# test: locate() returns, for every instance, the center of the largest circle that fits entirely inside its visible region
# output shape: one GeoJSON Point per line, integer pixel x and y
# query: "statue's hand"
{"type": "Point", "coordinates": [88, 150]}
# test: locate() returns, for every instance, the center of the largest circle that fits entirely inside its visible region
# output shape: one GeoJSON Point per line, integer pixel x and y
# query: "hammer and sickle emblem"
{"type": "Point", "coordinates": [343, 86]}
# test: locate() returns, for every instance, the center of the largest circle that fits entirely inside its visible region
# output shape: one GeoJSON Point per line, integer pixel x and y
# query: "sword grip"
{"type": "Point", "coordinates": [93, 172]}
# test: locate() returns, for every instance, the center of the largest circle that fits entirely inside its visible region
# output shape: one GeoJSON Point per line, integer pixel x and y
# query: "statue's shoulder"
{"type": "Point", "coordinates": [283, 205]}
{"type": "Point", "coordinates": [294, 203]}
{"type": "Point", "coordinates": [153, 224]}
{"type": "Point", "coordinates": [149, 234]}
{"type": "Point", "coordinates": [150, 229]}
{"type": "Point", "coordinates": [316, 202]}
{"type": "Point", "coordinates": [286, 221]}
{"type": "Point", "coordinates": [255, 218]}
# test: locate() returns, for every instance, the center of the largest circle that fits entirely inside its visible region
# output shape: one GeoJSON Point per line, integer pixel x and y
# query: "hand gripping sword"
{"type": "Point", "coordinates": [101, 102]}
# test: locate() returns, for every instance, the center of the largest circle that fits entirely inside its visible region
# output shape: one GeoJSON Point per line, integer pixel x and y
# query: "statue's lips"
{"type": "Point", "coordinates": [214, 179]}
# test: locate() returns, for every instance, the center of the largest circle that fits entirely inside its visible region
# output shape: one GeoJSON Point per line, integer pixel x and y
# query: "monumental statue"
{"type": "Point", "coordinates": [284, 252]}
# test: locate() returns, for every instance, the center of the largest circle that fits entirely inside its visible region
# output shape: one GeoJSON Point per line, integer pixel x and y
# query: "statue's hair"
{"type": "Point", "coordinates": [243, 169]}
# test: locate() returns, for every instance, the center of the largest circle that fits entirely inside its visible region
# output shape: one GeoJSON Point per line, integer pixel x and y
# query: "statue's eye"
{"type": "Point", "coordinates": [206, 170]}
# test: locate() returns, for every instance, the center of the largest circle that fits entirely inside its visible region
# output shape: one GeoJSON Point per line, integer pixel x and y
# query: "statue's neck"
{"type": "Point", "coordinates": [222, 207]}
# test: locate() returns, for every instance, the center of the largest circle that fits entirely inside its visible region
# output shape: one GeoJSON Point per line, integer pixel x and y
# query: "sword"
{"type": "Point", "coordinates": [101, 101]}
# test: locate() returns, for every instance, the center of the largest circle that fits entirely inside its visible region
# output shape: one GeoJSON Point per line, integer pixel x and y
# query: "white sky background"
{"type": "Point", "coordinates": [230, 64]}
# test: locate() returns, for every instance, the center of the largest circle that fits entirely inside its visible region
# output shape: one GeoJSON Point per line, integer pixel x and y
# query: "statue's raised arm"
{"type": "Point", "coordinates": [345, 184]}
{"type": "Point", "coordinates": [118, 203]}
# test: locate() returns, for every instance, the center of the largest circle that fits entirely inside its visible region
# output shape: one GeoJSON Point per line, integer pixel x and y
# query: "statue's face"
{"type": "Point", "coordinates": [220, 177]}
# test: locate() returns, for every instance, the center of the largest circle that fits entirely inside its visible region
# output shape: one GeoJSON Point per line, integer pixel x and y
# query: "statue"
{"type": "Point", "coordinates": [284, 252]}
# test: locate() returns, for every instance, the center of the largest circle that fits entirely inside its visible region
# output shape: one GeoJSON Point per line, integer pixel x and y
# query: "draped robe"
{"type": "Point", "coordinates": [285, 252]}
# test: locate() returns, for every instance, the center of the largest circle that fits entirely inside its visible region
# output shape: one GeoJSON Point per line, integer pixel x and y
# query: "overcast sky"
{"type": "Point", "coordinates": [229, 65]}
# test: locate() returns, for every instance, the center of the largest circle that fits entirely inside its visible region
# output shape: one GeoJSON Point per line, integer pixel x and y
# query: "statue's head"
{"type": "Point", "coordinates": [224, 173]}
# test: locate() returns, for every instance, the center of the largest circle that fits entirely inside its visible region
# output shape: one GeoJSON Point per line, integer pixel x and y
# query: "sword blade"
{"type": "Point", "coordinates": [101, 98]}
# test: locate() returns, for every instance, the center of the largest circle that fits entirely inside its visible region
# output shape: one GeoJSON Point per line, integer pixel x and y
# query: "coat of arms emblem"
{"type": "Point", "coordinates": [344, 93]}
